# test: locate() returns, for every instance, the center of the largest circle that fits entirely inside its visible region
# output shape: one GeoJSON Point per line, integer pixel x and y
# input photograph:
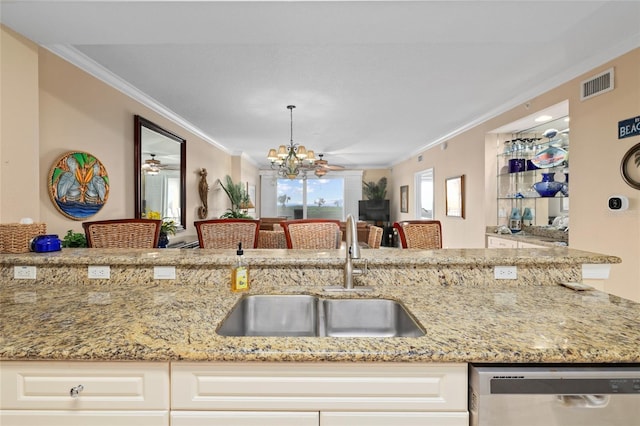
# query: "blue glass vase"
{"type": "Point", "coordinates": [547, 187]}
{"type": "Point", "coordinates": [565, 185]}
{"type": "Point", "coordinates": [163, 240]}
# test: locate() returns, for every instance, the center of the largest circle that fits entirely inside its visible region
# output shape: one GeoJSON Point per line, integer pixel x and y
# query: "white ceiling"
{"type": "Point", "coordinates": [374, 82]}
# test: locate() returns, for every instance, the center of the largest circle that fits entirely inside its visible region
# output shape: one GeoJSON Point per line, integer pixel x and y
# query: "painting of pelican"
{"type": "Point", "coordinates": [78, 185]}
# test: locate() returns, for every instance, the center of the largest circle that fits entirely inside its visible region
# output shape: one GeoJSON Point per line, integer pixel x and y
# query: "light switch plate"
{"type": "Point", "coordinates": [24, 272]}
{"type": "Point", "coordinates": [164, 272]}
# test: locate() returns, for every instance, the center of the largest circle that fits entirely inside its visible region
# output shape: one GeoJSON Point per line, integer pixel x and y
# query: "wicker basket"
{"type": "Point", "coordinates": [15, 237]}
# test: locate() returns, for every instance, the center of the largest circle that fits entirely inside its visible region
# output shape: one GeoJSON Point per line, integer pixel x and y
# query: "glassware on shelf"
{"type": "Point", "coordinates": [515, 220]}
{"type": "Point", "coordinates": [527, 217]}
{"type": "Point", "coordinates": [548, 187]}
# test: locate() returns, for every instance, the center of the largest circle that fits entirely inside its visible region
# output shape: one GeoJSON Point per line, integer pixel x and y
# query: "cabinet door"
{"type": "Point", "coordinates": [83, 418]}
{"type": "Point", "coordinates": [243, 418]}
{"type": "Point", "coordinates": [35, 385]}
{"type": "Point", "coordinates": [393, 419]}
{"type": "Point", "coordinates": [319, 386]}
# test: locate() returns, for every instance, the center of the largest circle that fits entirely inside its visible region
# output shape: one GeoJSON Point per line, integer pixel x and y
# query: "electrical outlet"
{"type": "Point", "coordinates": [24, 272]}
{"type": "Point", "coordinates": [505, 272]}
{"type": "Point", "coordinates": [101, 272]}
{"type": "Point", "coordinates": [164, 272]}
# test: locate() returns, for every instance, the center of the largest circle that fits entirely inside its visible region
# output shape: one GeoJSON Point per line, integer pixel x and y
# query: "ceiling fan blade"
{"type": "Point", "coordinates": [332, 167]}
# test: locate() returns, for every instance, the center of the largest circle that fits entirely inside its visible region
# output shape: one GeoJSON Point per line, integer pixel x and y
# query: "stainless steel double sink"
{"type": "Point", "coordinates": [304, 315]}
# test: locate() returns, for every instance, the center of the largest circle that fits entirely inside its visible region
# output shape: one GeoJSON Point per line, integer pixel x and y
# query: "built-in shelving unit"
{"type": "Point", "coordinates": [516, 173]}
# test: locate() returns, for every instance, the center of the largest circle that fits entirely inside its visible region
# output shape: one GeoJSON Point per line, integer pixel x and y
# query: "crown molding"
{"type": "Point", "coordinates": [573, 72]}
{"type": "Point", "coordinates": [82, 61]}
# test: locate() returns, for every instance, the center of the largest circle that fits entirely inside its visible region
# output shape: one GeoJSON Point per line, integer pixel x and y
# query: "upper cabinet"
{"type": "Point", "coordinates": [533, 175]}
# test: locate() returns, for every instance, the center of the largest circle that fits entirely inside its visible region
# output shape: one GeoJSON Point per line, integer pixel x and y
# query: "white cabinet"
{"type": "Point", "coordinates": [127, 393]}
{"type": "Point", "coordinates": [244, 418]}
{"type": "Point", "coordinates": [393, 419]}
{"type": "Point", "coordinates": [496, 242]}
{"type": "Point", "coordinates": [38, 393]}
{"type": "Point", "coordinates": [529, 245]}
{"type": "Point", "coordinates": [354, 394]}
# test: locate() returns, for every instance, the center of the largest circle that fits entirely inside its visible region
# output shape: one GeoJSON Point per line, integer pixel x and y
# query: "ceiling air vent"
{"type": "Point", "coordinates": [597, 85]}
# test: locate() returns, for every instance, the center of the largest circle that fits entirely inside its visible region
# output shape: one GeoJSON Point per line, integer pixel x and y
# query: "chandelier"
{"type": "Point", "coordinates": [290, 161]}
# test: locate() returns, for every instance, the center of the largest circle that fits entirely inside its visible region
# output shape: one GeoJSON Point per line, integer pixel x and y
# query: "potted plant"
{"type": "Point", "coordinates": [167, 228]}
{"type": "Point", "coordinates": [375, 191]}
{"type": "Point", "coordinates": [238, 196]}
{"type": "Point", "coordinates": [375, 207]}
{"type": "Point", "coordinates": [74, 239]}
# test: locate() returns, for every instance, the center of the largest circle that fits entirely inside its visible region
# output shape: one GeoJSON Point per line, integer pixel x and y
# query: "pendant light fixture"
{"type": "Point", "coordinates": [290, 161]}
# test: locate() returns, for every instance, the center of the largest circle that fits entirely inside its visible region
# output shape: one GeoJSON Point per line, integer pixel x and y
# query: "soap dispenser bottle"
{"type": "Point", "coordinates": [240, 273]}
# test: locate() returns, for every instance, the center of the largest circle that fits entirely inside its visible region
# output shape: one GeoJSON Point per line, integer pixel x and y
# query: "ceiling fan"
{"type": "Point", "coordinates": [153, 166]}
{"type": "Point", "coordinates": [322, 166]}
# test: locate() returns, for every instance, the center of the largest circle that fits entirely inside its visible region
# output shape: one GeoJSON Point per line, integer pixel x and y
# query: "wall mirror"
{"type": "Point", "coordinates": [160, 181]}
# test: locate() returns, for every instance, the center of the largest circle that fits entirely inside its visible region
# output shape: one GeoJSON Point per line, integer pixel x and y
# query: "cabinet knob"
{"type": "Point", "coordinates": [75, 391]}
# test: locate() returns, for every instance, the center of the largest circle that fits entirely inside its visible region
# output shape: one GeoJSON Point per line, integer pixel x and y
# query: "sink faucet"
{"type": "Point", "coordinates": [353, 252]}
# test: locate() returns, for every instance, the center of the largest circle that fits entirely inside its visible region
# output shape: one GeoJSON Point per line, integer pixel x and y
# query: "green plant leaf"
{"type": "Point", "coordinates": [375, 191]}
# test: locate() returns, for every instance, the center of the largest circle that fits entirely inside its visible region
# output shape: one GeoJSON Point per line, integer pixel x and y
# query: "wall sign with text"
{"type": "Point", "coordinates": [629, 127]}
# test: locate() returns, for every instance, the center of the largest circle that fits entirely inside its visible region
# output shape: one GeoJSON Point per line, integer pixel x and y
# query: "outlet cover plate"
{"type": "Point", "coordinates": [164, 272]}
{"type": "Point", "coordinates": [99, 272]}
{"type": "Point", "coordinates": [24, 272]}
{"type": "Point", "coordinates": [505, 272]}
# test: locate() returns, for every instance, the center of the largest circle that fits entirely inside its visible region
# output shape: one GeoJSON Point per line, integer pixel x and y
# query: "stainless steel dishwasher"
{"type": "Point", "coordinates": [554, 396]}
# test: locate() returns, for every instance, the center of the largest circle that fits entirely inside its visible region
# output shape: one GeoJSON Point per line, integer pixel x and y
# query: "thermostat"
{"type": "Point", "coordinates": [618, 203]}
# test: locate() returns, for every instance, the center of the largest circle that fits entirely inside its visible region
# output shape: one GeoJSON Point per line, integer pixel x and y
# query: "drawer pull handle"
{"type": "Point", "coordinates": [75, 391]}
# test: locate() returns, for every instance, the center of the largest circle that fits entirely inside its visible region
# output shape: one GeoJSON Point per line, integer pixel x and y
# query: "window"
{"type": "Point", "coordinates": [334, 196]}
{"type": "Point", "coordinates": [424, 194]}
{"type": "Point", "coordinates": [311, 198]}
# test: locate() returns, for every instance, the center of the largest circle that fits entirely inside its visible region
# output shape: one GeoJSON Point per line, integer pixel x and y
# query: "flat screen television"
{"type": "Point", "coordinates": [373, 210]}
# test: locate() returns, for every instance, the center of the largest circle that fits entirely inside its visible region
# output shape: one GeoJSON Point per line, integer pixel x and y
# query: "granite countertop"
{"type": "Point", "coordinates": [270, 257]}
{"type": "Point", "coordinates": [169, 320]}
{"type": "Point", "coordinates": [542, 235]}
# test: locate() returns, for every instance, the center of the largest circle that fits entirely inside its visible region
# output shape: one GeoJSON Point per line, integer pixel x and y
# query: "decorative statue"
{"type": "Point", "coordinates": [203, 189]}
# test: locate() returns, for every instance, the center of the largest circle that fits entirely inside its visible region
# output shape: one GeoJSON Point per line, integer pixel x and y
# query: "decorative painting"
{"type": "Point", "coordinates": [630, 167]}
{"type": "Point", "coordinates": [404, 199]}
{"type": "Point", "coordinates": [78, 185]}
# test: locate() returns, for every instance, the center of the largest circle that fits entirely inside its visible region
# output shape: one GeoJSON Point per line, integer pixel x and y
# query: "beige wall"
{"type": "Point", "coordinates": [51, 107]}
{"type": "Point", "coordinates": [463, 155]}
{"type": "Point", "coordinates": [594, 173]}
{"type": "Point", "coordinates": [19, 180]}
{"type": "Point", "coordinates": [595, 166]}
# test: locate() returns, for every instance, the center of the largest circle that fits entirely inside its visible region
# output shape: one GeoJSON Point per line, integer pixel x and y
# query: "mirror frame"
{"type": "Point", "coordinates": [139, 123]}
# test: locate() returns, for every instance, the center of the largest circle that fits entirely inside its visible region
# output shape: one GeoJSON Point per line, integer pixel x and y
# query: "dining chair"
{"type": "Point", "coordinates": [122, 233]}
{"type": "Point", "coordinates": [375, 237]}
{"type": "Point", "coordinates": [421, 234]}
{"type": "Point", "coordinates": [272, 239]}
{"type": "Point", "coordinates": [312, 233]}
{"type": "Point", "coordinates": [227, 233]}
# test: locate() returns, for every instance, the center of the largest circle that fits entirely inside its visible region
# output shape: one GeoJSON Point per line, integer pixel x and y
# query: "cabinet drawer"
{"type": "Point", "coordinates": [328, 386]}
{"type": "Point", "coordinates": [393, 419]}
{"type": "Point", "coordinates": [84, 418]}
{"type": "Point", "coordinates": [529, 245]}
{"type": "Point", "coordinates": [495, 242]}
{"type": "Point", "coordinates": [39, 385]}
{"type": "Point", "coordinates": [243, 418]}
